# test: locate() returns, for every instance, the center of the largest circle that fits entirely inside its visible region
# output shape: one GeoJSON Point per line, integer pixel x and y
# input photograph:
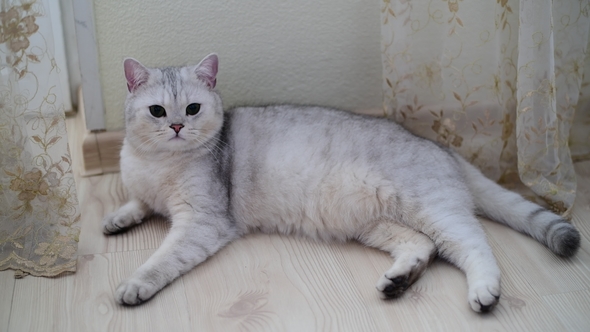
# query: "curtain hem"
{"type": "Point", "coordinates": [23, 267]}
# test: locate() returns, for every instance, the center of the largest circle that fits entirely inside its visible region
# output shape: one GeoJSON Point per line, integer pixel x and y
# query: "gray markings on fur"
{"type": "Point", "coordinates": [563, 239]}
{"type": "Point", "coordinates": [555, 223]}
{"type": "Point", "coordinates": [170, 79]}
{"type": "Point", "coordinates": [535, 213]}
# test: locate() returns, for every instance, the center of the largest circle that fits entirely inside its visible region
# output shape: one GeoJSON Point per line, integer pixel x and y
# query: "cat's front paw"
{"type": "Point", "coordinates": [135, 291]}
{"type": "Point", "coordinates": [117, 222]}
{"type": "Point", "coordinates": [132, 213]}
{"type": "Point", "coordinates": [113, 223]}
{"type": "Point", "coordinates": [484, 296]}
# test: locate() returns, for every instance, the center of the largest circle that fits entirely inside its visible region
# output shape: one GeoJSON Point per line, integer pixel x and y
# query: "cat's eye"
{"type": "Point", "coordinates": [157, 111]}
{"type": "Point", "coordinates": [193, 109]}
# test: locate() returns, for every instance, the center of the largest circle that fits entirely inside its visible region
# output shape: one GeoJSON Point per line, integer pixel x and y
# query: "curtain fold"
{"type": "Point", "coordinates": [38, 203]}
{"type": "Point", "coordinates": [499, 81]}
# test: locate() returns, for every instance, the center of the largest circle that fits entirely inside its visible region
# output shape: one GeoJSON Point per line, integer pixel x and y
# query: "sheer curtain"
{"type": "Point", "coordinates": [499, 81]}
{"type": "Point", "coordinates": [38, 202]}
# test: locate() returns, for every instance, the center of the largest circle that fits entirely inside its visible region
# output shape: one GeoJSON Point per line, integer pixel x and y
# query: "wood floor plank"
{"type": "Point", "coordinates": [99, 277]}
{"type": "Point", "coordinates": [41, 303]}
{"type": "Point", "coordinates": [572, 309]}
{"type": "Point", "coordinates": [319, 270]}
{"type": "Point", "coordinates": [84, 301]}
{"type": "Point", "coordinates": [276, 283]}
{"type": "Point", "coordinates": [546, 272]}
{"type": "Point", "coordinates": [7, 287]}
{"type": "Point", "coordinates": [583, 169]}
{"type": "Point", "coordinates": [76, 131]}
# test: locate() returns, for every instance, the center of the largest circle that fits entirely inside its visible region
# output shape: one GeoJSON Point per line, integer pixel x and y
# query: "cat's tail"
{"type": "Point", "coordinates": [509, 208]}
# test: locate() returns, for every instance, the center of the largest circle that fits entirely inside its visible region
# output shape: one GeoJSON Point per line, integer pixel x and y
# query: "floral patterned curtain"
{"type": "Point", "coordinates": [38, 202]}
{"type": "Point", "coordinates": [499, 81]}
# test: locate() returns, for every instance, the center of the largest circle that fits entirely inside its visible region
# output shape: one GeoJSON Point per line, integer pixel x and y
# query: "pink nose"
{"type": "Point", "coordinates": [177, 127]}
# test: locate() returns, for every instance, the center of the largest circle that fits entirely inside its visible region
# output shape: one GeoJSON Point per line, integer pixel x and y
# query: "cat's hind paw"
{"type": "Point", "coordinates": [404, 272]}
{"type": "Point", "coordinates": [135, 292]}
{"type": "Point", "coordinates": [392, 288]}
{"type": "Point", "coordinates": [484, 297]}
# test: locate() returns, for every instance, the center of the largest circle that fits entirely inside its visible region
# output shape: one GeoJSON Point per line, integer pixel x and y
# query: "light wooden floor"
{"type": "Point", "coordinates": [280, 283]}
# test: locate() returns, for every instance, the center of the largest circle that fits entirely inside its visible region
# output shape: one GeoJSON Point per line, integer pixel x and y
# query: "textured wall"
{"type": "Point", "coordinates": [271, 51]}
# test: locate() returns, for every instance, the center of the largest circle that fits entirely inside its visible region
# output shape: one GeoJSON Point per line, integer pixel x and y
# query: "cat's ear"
{"type": "Point", "coordinates": [135, 73]}
{"type": "Point", "coordinates": [206, 70]}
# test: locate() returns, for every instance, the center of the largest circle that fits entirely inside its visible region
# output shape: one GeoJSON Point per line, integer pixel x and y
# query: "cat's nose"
{"type": "Point", "coordinates": [177, 127]}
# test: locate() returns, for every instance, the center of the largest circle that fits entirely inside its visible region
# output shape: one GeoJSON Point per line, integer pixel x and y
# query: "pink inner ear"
{"type": "Point", "coordinates": [135, 73]}
{"type": "Point", "coordinates": [207, 70]}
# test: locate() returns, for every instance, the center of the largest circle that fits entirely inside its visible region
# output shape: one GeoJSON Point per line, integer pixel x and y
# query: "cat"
{"type": "Point", "coordinates": [323, 173]}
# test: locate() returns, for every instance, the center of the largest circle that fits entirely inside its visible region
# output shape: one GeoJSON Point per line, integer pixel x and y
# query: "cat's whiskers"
{"type": "Point", "coordinates": [148, 144]}
{"type": "Point", "coordinates": [222, 143]}
{"type": "Point", "coordinates": [215, 146]}
{"type": "Point", "coordinates": [206, 147]}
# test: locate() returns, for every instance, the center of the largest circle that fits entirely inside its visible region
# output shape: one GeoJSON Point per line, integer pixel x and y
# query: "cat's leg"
{"type": "Point", "coordinates": [130, 214]}
{"type": "Point", "coordinates": [412, 252]}
{"type": "Point", "coordinates": [190, 241]}
{"type": "Point", "coordinates": [460, 238]}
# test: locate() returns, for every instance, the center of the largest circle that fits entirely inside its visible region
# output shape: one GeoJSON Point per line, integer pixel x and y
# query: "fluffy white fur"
{"type": "Point", "coordinates": [318, 172]}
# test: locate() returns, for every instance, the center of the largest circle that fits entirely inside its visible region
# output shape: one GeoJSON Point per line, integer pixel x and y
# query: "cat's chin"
{"type": "Point", "coordinates": [179, 144]}
{"type": "Point", "coordinates": [172, 145]}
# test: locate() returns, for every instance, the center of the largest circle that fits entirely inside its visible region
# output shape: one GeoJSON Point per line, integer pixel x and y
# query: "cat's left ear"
{"type": "Point", "coordinates": [206, 70]}
{"type": "Point", "coordinates": [135, 73]}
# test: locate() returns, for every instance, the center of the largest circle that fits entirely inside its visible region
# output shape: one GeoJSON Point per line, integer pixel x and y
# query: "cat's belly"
{"type": "Point", "coordinates": [329, 204]}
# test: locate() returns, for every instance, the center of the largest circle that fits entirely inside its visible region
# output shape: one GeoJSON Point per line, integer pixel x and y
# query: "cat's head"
{"type": "Point", "coordinates": [172, 109]}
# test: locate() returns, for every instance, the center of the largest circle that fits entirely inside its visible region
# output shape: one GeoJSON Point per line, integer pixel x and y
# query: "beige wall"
{"type": "Point", "coordinates": [271, 51]}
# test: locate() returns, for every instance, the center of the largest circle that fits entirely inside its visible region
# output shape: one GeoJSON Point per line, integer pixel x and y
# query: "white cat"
{"type": "Point", "coordinates": [319, 172]}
